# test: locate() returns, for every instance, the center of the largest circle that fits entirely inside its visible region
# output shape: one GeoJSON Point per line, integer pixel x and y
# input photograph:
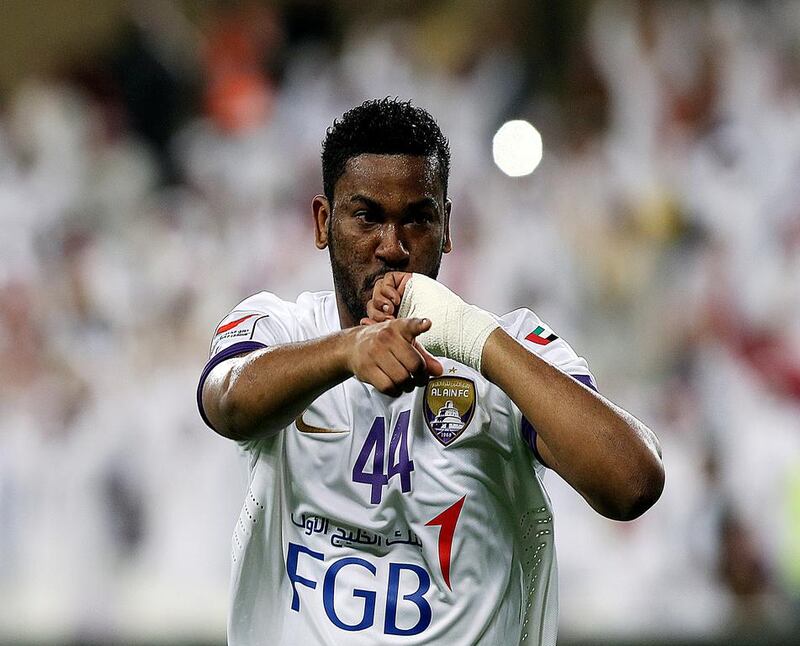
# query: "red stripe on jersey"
{"type": "Point", "coordinates": [232, 324]}
{"type": "Point", "coordinates": [447, 526]}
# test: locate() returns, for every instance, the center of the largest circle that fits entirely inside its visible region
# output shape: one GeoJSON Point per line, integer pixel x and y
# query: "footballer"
{"type": "Point", "coordinates": [396, 435]}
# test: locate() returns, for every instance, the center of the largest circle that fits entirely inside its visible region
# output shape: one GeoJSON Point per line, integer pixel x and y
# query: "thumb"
{"type": "Point", "coordinates": [412, 328]}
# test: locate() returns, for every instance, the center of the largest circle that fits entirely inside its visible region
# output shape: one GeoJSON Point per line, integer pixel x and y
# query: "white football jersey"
{"type": "Point", "coordinates": [418, 519]}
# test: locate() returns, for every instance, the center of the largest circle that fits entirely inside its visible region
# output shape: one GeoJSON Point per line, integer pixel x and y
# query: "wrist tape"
{"type": "Point", "coordinates": [458, 331]}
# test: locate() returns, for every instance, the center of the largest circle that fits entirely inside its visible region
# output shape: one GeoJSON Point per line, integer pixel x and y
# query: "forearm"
{"type": "Point", "coordinates": [258, 394]}
{"type": "Point", "coordinates": [608, 455]}
{"type": "Point", "coordinates": [605, 453]}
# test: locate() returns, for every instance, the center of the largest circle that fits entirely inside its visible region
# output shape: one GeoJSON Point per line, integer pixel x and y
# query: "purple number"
{"type": "Point", "coordinates": [399, 445]}
{"type": "Point", "coordinates": [377, 440]}
{"type": "Point", "coordinates": [375, 445]}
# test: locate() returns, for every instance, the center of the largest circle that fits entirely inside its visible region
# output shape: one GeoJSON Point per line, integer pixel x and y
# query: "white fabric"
{"type": "Point", "coordinates": [458, 331]}
{"type": "Point", "coordinates": [308, 531]}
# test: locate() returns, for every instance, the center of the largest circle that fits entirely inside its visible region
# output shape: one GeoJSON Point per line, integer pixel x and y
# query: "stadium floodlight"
{"type": "Point", "coordinates": [517, 148]}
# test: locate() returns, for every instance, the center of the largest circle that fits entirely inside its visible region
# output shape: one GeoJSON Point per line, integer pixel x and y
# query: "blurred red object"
{"type": "Point", "coordinates": [239, 91]}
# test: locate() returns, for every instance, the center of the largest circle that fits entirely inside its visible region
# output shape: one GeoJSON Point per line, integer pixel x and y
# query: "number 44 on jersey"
{"type": "Point", "coordinates": [385, 467]}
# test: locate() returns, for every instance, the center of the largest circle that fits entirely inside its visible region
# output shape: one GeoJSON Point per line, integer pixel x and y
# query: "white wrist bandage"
{"type": "Point", "coordinates": [458, 331]}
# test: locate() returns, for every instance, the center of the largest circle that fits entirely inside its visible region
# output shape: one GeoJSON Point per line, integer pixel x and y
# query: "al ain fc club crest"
{"type": "Point", "coordinates": [448, 407]}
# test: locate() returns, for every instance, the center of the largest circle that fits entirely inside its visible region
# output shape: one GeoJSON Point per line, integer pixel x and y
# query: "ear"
{"type": "Point", "coordinates": [447, 243]}
{"type": "Point", "coordinates": [322, 211]}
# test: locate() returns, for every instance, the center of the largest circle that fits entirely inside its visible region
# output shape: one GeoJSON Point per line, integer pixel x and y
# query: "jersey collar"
{"type": "Point", "coordinates": [330, 313]}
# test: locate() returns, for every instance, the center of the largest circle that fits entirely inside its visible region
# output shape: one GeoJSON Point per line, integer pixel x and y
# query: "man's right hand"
{"type": "Point", "coordinates": [258, 394]}
{"type": "Point", "coordinates": [387, 356]}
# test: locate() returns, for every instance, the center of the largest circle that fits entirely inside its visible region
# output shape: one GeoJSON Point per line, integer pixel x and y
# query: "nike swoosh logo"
{"type": "Point", "coordinates": [307, 428]}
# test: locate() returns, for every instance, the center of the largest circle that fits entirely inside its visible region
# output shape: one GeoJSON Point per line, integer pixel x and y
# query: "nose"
{"type": "Point", "coordinates": [392, 249]}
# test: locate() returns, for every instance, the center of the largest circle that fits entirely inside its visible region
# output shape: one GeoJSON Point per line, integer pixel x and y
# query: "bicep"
{"type": "Point", "coordinates": [215, 388]}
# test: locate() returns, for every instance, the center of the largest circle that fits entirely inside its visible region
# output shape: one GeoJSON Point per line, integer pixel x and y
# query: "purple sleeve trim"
{"type": "Point", "coordinates": [227, 353]}
{"type": "Point", "coordinates": [586, 380]}
{"type": "Point", "coordinates": [529, 433]}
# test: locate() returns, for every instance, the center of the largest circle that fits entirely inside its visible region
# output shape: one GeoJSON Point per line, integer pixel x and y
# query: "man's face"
{"type": "Point", "coordinates": [389, 214]}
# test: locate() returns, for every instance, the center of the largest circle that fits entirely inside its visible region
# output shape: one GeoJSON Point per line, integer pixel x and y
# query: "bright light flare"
{"type": "Point", "coordinates": [517, 148]}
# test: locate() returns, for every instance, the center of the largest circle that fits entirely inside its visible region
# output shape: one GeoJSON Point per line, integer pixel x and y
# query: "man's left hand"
{"type": "Point", "coordinates": [386, 297]}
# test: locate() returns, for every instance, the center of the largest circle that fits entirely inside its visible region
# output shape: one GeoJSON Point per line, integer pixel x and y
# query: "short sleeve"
{"type": "Point", "coordinates": [260, 321]}
{"type": "Point", "coordinates": [540, 339]}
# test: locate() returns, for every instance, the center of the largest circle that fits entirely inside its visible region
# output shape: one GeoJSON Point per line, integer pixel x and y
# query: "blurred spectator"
{"type": "Point", "coordinates": [158, 180]}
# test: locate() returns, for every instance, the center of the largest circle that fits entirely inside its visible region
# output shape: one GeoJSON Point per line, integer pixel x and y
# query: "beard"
{"type": "Point", "coordinates": [355, 291]}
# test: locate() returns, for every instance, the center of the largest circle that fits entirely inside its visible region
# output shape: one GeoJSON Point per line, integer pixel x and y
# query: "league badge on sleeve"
{"type": "Point", "coordinates": [448, 407]}
{"type": "Point", "coordinates": [237, 326]}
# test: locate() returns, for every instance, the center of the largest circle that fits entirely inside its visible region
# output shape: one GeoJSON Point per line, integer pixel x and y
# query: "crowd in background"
{"type": "Point", "coordinates": [147, 188]}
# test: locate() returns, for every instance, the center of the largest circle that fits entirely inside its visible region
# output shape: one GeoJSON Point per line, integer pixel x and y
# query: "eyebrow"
{"type": "Point", "coordinates": [425, 201]}
{"type": "Point", "coordinates": [419, 204]}
{"type": "Point", "coordinates": [369, 202]}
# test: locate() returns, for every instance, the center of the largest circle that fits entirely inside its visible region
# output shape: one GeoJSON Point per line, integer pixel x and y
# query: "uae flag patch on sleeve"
{"type": "Point", "coordinates": [541, 336]}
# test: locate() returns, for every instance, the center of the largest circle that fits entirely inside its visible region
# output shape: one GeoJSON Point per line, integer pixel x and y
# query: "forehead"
{"type": "Point", "coordinates": [390, 177]}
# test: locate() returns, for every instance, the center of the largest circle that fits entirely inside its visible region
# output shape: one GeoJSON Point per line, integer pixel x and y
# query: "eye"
{"type": "Point", "coordinates": [367, 216]}
{"type": "Point", "coordinates": [421, 219]}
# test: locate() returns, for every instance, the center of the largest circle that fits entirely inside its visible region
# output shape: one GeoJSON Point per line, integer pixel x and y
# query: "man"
{"type": "Point", "coordinates": [396, 435]}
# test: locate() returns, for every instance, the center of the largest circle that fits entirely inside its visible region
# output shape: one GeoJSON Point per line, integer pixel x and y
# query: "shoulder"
{"type": "Point", "coordinates": [279, 320]}
{"type": "Point", "coordinates": [261, 318]}
{"type": "Point", "coordinates": [538, 337]}
{"type": "Point", "coordinates": [531, 331]}
{"type": "Point", "coordinates": [311, 301]}
{"type": "Point", "coordinates": [266, 303]}
{"type": "Point", "coordinates": [526, 326]}
{"type": "Point", "coordinates": [514, 321]}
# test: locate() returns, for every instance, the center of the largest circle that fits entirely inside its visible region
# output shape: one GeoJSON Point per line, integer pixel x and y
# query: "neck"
{"type": "Point", "coordinates": [345, 319]}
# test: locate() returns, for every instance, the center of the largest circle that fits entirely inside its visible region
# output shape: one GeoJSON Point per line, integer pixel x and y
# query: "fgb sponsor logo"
{"type": "Point", "coordinates": [352, 587]}
{"type": "Point", "coordinates": [351, 607]}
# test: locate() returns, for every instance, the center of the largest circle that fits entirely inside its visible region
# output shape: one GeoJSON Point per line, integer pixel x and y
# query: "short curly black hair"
{"type": "Point", "coordinates": [383, 126]}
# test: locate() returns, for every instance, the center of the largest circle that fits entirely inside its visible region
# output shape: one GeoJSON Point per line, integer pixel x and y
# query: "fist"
{"type": "Point", "coordinates": [386, 355]}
